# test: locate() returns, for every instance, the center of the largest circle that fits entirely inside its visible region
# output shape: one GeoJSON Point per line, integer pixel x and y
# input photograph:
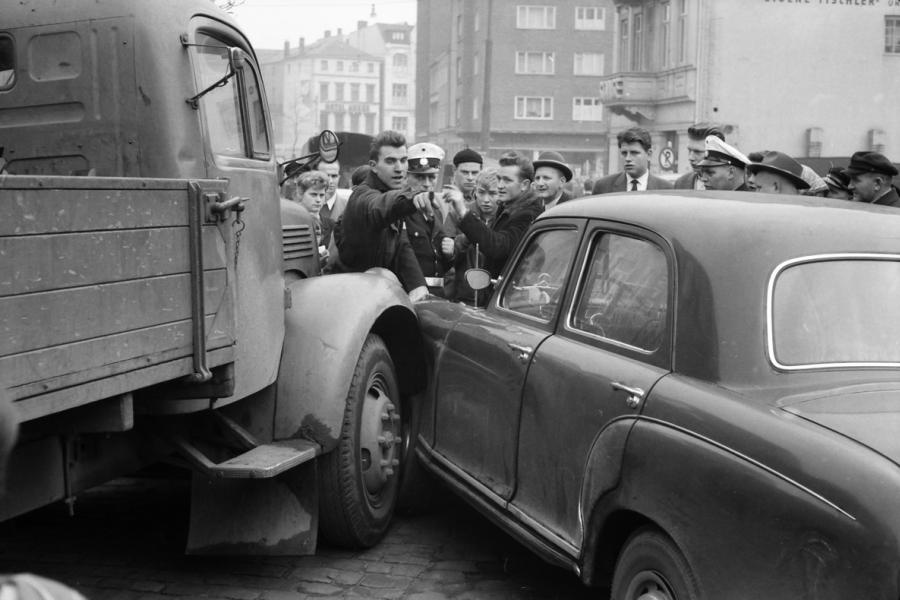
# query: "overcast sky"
{"type": "Point", "coordinates": [268, 23]}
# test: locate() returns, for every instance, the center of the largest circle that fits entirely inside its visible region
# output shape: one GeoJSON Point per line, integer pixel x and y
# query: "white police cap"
{"type": "Point", "coordinates": [425, 157]}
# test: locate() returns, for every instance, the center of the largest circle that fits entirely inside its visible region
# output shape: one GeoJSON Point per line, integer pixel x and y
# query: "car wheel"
{"type": "Point", "coordinates": [358, 480]}
{"type": "Point", "coordinates": [651, 567]}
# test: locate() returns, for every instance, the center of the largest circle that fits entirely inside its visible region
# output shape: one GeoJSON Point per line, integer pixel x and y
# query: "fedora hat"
{"type": "Point", "coordinates": [555, 160]}
{"type": "Point", "coordinates": [781, 164]}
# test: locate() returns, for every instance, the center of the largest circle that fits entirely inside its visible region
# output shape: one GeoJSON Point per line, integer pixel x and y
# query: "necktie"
{"type": "Point", "coordinates": [634, 185]}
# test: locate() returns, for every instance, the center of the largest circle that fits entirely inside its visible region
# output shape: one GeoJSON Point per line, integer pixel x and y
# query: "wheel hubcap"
{"type": "Point", "coordinates": [648, 585]}
{"type": "Point", "coordinates": [380, 439]}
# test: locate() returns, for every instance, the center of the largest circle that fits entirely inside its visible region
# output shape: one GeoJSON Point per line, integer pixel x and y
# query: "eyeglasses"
{"type": "Point", "coordinates": [486, 192]}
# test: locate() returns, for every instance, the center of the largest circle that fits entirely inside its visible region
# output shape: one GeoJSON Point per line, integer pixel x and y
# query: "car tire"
{"type": "Point", "coordinates": [651, 567]}
{"type": "Point", "coordinates": [359, 479]}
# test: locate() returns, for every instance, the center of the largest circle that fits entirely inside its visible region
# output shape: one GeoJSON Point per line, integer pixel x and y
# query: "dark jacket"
{"type": "Point", "coordinates": [618, 182]}
{"type": "Point", "coordinates": [686, 181]}
{"type": "Point", "coordinates": [370, 233]}
{"type": "Point", "coordinates": [889, 199]}
{"type": "Point", "coordinates": [497, 241]}
{"type": "Point", "coordinates": [425, 238]}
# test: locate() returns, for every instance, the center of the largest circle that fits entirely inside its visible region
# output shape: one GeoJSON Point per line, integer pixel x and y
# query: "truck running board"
{"type": "Point", "coordinates": [258, 461]}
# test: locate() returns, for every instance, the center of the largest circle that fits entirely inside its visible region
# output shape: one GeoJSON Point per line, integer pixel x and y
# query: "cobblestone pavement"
{"type": "Point", "coordinates": [126, 541]}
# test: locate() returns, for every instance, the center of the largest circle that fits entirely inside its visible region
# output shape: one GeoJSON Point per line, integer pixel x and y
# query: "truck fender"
{"type": "Point", "coordinates": [325, 328]}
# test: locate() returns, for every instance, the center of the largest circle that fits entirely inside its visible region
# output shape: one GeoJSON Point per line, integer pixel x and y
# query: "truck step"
{"type": "Point", "coordinates": [266, 460]}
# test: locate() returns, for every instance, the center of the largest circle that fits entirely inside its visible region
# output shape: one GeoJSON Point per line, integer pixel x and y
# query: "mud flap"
{"type": "Point", "coordinates": [277, 516]}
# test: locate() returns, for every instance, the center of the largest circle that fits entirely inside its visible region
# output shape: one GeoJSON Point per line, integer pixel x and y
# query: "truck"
{"type": "Point", "coordinates": [160, 301]}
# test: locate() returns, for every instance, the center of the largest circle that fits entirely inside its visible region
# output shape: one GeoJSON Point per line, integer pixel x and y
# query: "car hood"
{"type": "Point", "coordinates": [869, 415]}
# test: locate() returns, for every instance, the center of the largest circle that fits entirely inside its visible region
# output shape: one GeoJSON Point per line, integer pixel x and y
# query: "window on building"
{"type": "Point", "coordinates": [624, 40]}
{"type": "Point", "coordinates": [371, 67]}
{"type": "Point", "coordinates": [892, 34]}
{"type": "Point", "coordinates": [590, 17]}
{"type": "Point", "coordinates": [399, 123]}
{"type": "Point", "coordinates": [587, 109]}
{"type": "Point", "coordinates": [459, 69]}
{"type": "Point", "coordinates": [682, 32]}
{"type": "Point", "coordinates": [535, 63]}
{"type": "Point", "coordinates": [370, 92]}
{"type": "Point", "coordinates": [323, 64]}
{"type": "Point", "coordinates": [398, 36]}
{"type": "Point", "coordinates": [536, 17]}
{"type": "Point", "coordinates": [354, 92]}
{"type": "Point", "coordinates": [400, 61]}
{"type": "Point", "coordinates": [534, 107]}
{"type": "Point", "coordinates": [637, 42]}
{"type": "Point", "coordinates": [588, 63]}
{"type": "Point", "coordinates": [323, 91]}
{"type": "Point", "coordinates": [354, 67]}
{"type": "Point", "coordinates": [339, 92]}
{"type": "Point", "coordinates": [665, 36]}
{"type": "Point", "coordinates": [339, 65]}
{"type": "Point", "coordinates": [476, 64]}
{"type": "Point", "coordinates": [476, 103]}
{"type": "Point", "coordinates": [476, 25]}
{"type": "Point", "coordinates": [399, 91]}
{"type": "Point", "coordinates": [323, 120]}
{"type": "Point", "coordinates": [459, 26]}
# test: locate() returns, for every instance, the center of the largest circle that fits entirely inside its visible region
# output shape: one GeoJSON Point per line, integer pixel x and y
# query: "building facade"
{"type": "Point", "coordinates": [812, 78]}
{"type": "Point", "coordinates": [498, 75]}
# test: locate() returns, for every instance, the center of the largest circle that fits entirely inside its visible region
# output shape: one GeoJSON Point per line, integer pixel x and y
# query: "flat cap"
{"type": "Point", "coordinates": [467, 155]}
{"type": "Point", "coordinates": [870, 162]}
{"type": "Point", "coordinates": [718, 153]}
{"type": "Point", "coordinates": [555, 160]}
{"type": "Point", "coordinates": [836, 179]}
{"type": "Point", "coordinates": [780, 164]}
{"type": "Point", "coordinates": [425, 157]}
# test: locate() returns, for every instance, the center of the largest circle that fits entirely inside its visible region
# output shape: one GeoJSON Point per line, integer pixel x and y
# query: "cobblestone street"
{"type": "Point", "coordinates": [127, 538]}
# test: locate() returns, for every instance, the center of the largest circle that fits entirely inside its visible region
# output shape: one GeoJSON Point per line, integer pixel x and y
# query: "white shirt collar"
{"type": "Point", "coordinates": [642, 181]}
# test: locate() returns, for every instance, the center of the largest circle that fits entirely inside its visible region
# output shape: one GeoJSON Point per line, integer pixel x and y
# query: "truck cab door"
{"type": "Point", "coordinates": [237, 146]}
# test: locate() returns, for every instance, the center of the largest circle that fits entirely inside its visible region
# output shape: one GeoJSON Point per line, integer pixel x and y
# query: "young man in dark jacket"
{"type": "Point", "coordinates": [370, 233]}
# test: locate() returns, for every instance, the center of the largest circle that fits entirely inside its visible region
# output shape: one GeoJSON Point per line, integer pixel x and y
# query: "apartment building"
{"type": "Point", "coordinates": [812, 78]}
{"type": "Point", "coordinates": [498, 75]}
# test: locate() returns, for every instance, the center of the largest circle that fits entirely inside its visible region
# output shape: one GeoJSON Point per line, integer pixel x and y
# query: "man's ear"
{"type": "Point", "coordinates": [372, 163]}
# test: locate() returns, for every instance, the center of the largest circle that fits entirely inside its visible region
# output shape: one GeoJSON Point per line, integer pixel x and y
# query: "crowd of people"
{"type": "Point", "coordinates": [396, 218]}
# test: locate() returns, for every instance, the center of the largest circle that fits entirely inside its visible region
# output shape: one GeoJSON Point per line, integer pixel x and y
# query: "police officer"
{"type": "Point", "coordinates": [871, 175]}
{"type": "Point", "coordinates": [425, 230]}
{"type": "Point", "coordinates": [723, 167]}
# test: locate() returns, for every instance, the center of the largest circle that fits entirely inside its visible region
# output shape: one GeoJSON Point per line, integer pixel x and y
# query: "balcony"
{"type": "Point", "coordinates": [637, 95]}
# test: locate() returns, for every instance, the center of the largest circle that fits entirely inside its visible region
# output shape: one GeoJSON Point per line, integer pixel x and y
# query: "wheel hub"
{"type": "Point", "coordinates": [380, 438]}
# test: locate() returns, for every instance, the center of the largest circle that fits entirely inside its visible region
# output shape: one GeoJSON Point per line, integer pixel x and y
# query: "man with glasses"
{"type": "Point", "coordinates": [723, 168]}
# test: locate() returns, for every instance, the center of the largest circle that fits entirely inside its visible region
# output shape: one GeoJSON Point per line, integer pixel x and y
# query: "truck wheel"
{"type": "Point", "coordinates": [358, 480]}
{"type": "Point", "coordinates": [651, 567]}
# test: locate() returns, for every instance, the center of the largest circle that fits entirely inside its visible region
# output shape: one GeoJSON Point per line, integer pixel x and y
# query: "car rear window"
{"type": "Point", "coordinates": [7, 62]}
{"type": "Point", "coordinates": [835, 311]}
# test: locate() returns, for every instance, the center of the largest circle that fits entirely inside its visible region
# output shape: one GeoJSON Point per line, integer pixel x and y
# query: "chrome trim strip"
{"type": "Point", "coordinates": [770, 317]}
{"type": "Point", "coordinates": [750, 460]}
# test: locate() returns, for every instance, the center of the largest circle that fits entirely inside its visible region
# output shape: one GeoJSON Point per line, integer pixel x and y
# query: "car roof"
{"type": "Point", "coordinates": [726, 247]}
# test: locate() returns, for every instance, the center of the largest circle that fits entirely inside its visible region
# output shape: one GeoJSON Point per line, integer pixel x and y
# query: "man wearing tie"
{"type": "Point", "coordinates": [635, 149]}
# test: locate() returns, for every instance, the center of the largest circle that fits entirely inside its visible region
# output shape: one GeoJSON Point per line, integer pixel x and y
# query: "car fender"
{"type": "Point", "coordinates": [326, 325]}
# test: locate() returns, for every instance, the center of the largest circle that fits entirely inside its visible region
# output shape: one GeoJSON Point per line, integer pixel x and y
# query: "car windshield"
{"type": "Point", "coordinates": [836, 311]}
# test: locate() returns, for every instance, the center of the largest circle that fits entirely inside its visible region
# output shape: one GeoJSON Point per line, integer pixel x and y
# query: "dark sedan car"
{"type": "Point", "coordinates": [685, 396]}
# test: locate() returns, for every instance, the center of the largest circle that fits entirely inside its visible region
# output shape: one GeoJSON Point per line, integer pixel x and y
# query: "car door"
{"type": "Point", "coordinates": [611, 347]}
{"type": "Point", "coordinates": [486, 357]}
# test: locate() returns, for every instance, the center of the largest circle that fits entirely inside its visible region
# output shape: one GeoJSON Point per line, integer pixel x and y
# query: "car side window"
{"type": "Point", "coordinates": [220, 106]}
{"type": "Point", "coordinates": [624, 296]}
{"type": "Point", "coordinates": [536, 283]}
{"type": "Point", "coordinates": [7, 62]}
{"type": "Point", "coordinates": [258, 134]}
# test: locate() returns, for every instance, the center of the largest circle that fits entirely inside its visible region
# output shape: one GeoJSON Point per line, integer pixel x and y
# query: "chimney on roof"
{"type": "Point", "coordinates": [302, 44]}
{"type": "Point", "coordinates": [328, 33]}
{"type": "Point", "coordinates": [361, 25]}
{"type": "Point", "coordinates": [287, 48]}
{"type": "Point", "coordinates": [339, 32]}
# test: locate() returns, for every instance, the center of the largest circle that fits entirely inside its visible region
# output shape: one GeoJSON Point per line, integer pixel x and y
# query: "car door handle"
{"type": "Point", "coordinates": [524, 351]}
{"type": "Point", "coordinates": [635, 394]}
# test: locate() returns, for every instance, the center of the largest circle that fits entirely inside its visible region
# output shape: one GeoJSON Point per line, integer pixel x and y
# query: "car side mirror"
{"type": "Point", "coordinates": [478, 279]}
{"type": "Point", "coordinates": [236, 58]}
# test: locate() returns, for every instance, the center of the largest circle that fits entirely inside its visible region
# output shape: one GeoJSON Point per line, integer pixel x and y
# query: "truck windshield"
{"type": "Point", "coordinates": [841, 311]}
{"type": "Point", "coordinates": [220, 107]}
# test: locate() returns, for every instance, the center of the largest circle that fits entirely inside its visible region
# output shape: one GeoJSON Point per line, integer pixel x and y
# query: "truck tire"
{"type": "Point", "coordinates": [359, 479]}
{"type": "Point", "coordinates": [652, 566]}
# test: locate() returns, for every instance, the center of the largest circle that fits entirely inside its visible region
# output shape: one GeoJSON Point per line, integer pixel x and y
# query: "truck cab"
{"type": "Point", "coordinates": [162, 300]}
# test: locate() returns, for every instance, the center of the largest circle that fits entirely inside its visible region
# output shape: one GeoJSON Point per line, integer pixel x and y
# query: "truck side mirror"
{"type": "Point", "coordinates": [236, 58]}
{"type": "Point", "coordinates": [328, 146]}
